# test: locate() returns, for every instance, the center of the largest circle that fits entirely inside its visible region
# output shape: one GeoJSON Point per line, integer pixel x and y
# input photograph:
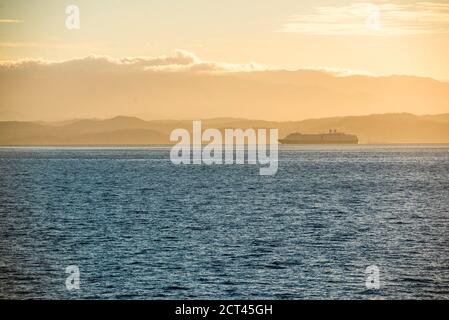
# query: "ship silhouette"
{"type": "Point", "coordinates": [332, 137]}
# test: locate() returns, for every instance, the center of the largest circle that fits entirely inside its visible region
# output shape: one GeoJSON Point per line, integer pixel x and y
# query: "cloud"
{"type": "Point", "coordinates": [180, 61]}
{"type": "Point", "coordinates": [364, 18]}
{"type": "Point", "coordinates": [340, 72]}
{"type": "Point", "coordinates": [10, 21]}
{"type": "Point", "coordinates": [30, 45]}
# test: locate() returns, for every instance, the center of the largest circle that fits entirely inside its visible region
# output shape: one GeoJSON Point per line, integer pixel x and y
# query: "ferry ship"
{"type": "Point", "coordinates": [332, 137]}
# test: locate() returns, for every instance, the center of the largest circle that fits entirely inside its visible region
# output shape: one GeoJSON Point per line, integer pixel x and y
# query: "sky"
{"type": "Point", "coordinates": [376, 37]}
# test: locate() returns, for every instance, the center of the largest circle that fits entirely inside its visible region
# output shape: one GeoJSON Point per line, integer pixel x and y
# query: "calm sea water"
{"type": "Point", "coordinates": [139, 227]}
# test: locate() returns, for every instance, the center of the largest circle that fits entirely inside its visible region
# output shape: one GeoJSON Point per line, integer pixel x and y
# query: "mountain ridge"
{"type": "Point", "coordinates": [373, 128]}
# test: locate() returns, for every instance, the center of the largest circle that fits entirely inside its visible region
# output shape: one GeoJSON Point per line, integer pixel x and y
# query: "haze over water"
{"type": "Point", "coordinates": [140, 227]}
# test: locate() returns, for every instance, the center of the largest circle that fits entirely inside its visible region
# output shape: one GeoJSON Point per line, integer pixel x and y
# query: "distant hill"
{"type": "Point", "coordinates": [376, 128]}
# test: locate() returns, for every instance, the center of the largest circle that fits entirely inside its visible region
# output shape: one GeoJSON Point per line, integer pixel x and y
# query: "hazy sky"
{"type": "Point", "coordinates": [378, 37]}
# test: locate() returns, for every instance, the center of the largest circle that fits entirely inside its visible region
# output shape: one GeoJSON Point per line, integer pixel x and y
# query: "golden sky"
{"type": "Point", "coordinates": [376, 37]}
{"type": "Point", "coordinates": [184, 59]}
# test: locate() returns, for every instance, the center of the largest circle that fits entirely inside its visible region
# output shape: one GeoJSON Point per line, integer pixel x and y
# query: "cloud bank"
{"type": "Point", "coordinates": [180, 61]}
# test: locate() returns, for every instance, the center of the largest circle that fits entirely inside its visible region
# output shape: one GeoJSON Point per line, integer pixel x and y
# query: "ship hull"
{"type": "Point", "coordinates": [286, 141]}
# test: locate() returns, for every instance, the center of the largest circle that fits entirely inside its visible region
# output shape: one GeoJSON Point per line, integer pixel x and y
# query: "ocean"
{"type": "Point", "coordinates": [139, 227]}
